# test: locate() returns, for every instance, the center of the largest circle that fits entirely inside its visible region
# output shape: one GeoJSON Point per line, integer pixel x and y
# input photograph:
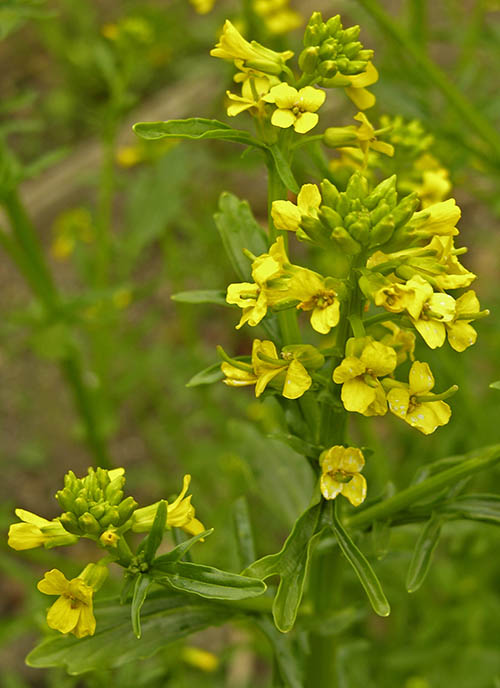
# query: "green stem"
{"type": "Point", "coordinates": [425, 66]}
{"type": "Point", "coordinates": [105, 208]}
{"type": "Point", "coordinates": [390, 507]}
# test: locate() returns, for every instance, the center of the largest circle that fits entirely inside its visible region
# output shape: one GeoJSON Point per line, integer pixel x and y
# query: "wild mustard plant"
{"type": "Point", "coordinates": [332, 343]}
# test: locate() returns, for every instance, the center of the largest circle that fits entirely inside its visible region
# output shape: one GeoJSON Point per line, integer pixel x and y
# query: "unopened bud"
{"type": "Point", "coordinates": [308, 59]}
{"type": "Point", "coordinates": [111, 517]}
{"type": "Point", "coordinates": [89, 524]}
{"type": "Point", "coordinates": [337, 137]}
{"type": "Point", "coordinates": [81, 506]}
{"type": "Point", "coordinates": [69, 522]}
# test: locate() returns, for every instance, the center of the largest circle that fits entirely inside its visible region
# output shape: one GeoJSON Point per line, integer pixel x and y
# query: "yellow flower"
{"type": "Point", "coordinates": [414, 404]}
{"type": "Point", "coordinates": [238, 376]}
{"type": "Point", "coordinates": [72, 612]}
{"type": "Point", "coordinates": [367, 137]}
{"type": "Point", "coordinates": [201, 659]}
{"type": "Point", "coordinates": [252, 91]}
{"type": "Point", "coordinates": [435, 184]}
{"type": "Point", "coordinates": [402, 341]}
{"type": "Point", "coordinates": [357, 92]}
{"type": "Point", "coordinates": [251, 298]}
{"type": "Point", "coordinates": [295, 108]}
{"type": "Point", "coordinates": [277, 15]}
{"type": "Point", "coordinates": [394, 297]}
{"type": "Point", "coordinates": [202, 6]}
{"type": "Point", "coordinates": [287, 215]}
{"type": "Point", "coordinates": [430, 311]}
{"type": "Point", "coordinates": [358, 375]}
{"type": "Point", "coordinates": [341, 474]}
{"type": "Point", "coordinates": [460, 334]}
{"type": "Point", "coordinates": [128, 156]}
{"type": "Point", "coordinates": [180, 514]}
{"type": "Point", "coordinates": [437, 220]}
{"type": "Point", "coordinates": [318, 295]}
{"type": "Point", "coordinates": [36, 531]}
{"type": "Point", "coordinates": [455, 275]}
{"type": "Point", "coordinates": [232, 46]}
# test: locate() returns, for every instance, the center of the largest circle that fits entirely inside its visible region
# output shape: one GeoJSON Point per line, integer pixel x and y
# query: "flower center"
{"type": "Point", "coordinates": [324, 299]}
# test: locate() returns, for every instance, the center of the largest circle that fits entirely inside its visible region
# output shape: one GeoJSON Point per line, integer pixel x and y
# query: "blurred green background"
{"type": "Point", "coordinates": [124, 225]}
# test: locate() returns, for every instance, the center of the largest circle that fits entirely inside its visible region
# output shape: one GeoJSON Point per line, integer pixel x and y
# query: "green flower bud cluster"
{"type": "Point", "coordinates": [410, 138]}
{"type": "Point", "coordinates": [95, 503]}
{"type": "Point", "coordinates": [331, 50]}
{"type": "Point", "coordinates": [356, 219]}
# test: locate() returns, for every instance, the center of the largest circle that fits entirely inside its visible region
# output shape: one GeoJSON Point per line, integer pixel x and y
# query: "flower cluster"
{"type": "Point", "coordinates": [95, 509]}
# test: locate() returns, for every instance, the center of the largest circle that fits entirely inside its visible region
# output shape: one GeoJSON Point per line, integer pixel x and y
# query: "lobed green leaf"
{"type": "Point", "coordinates": [194, 128]}
{"type": "Point", "coordinates": [422, 554]}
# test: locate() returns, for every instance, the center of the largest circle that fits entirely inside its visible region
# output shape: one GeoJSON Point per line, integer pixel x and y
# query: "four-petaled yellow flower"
{"type": "Point", "coordinates": [430, 311]}
{"type": "Point", "coordinates": [72, 612]}
{"type": "Point", "coordinates": [341, 474]}
{"type": "Point", "coordinates": [287, 373]}
{"type": "Point", "coordinates": [316, 294]}
{"type": "Point", "coordinates": [367, 137]}
{"type": "Point", "coordinates": [35, 531]}
{"type": "Point", "coordinates": [454, 276]}
{"type": "Point", "coordinates": [295, 108]}
{"type": "Point", "coordinates": [413, 403]}
{"type": "Point", "coordinates": [180, 514]}
{"type": "Point", "coordinates": [361, 390]}
{"type": "Point", "coordinates": [287, 215]}
{"type": "Point", "coordinates": [232, 46]}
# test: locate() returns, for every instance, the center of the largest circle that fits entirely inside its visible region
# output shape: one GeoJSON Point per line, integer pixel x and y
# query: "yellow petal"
{"type": "Point", "coordinates": [432, 331]}
{"type": "Point", "coordinates": [428, 416]}
{"type": "Point", "coordinates": [361, 98]}
{"type": "Point", "coordinates": [29, 517]}
{"type": "Point", "coordinates": [379, 358]}
{"type": "Point", "coordinates": [421, 378]}
{"type": "Point", "coordinates": [331, 459]}
{"type": "Point", "coordinates": [378, 407]}
{"type": "Point", "coordinates": [311, 99]}
{"type": "Point", "coordinates": [286, 215]}
{"type": "Point", "coordinates": [444, 304]}
{"type": "Point", "coordinates": [461, 335]}
{"type": "Point", "coordinates": [185, 486]}
{"type": "Point", "coordinates": [357, 395]}
{"type": "Point", "coordinates": [352, 460]}
{"type": "Point", "coordinates": [349, 368]}
{"type": "Point", "coordinates": [366, 78]}
{"type": "Point", "coordinates": [86, 622]}
{"type": "Point", "coordinates": [305, 122]}
{"type": "Point", "coordinates": [242, 294]}
{"type": "Point", "coordinates": [115, 473]}
{"type": "Point", "coordinates": [284, 95]}
{"type": "Point", "coordinates": [283, 118]}
{"type": "Point", "coordinates": [54, 582]}
{"type": "Point", "coordinates": [355, 489]}
{"type": "Point", "coordinates": [265, 378]}
{"type": "Point", "coordinates": [330, 488]}
{"type": "Point", "coordinates": [382, 147]}
{"type": "Point", "coordinates": [309, 197]}
{"type": "Point", "coordinates": [297, 381]}
{"type": "Point", "coordinates": [194, 527]}
{"type": "Point", "coordinates": [25, 536]}
{"type": "Point", "coordinates": [323, 319]}
{"type": "Point", "coordinates": [62, 616]}
{"type": "Point", "coordinates": [398, 399]}
{"type": "Point", "coordinates": [467, 303]}
{"type": "Point", "coordinates": [236, 377]}
{"type": "Point", "coordinates": [265, 347]}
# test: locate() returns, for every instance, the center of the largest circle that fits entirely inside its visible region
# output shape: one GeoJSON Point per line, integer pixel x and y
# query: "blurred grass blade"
{"type": "Point", "coordinates": [243, 531]}
{"type": "Point", "coordinates": [141, 587]}
{"type": "Point", "coordinates": [477, 507]}
{"type": "Point", "coordinates": [285, 653]}
{"type": "Point", "coordinates": [362, 568]}
{"type": "Point", "coordinates": [422, 554]}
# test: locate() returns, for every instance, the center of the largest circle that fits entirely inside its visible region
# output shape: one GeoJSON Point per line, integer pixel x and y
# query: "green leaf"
{"type": "Point", "coordinates": [477, 507]}
{"type": "Point", "coordinates": [141, 587]}
{"type": "Point", "coordinates": [193, 128]}
{"type": "Point", "coordinates": [207, 376]}
{"type": "Point", "coordinates": [362, 568]}
{"type": "Point", "coordinates": [207, 581]}
{"type": "Point", "coordinates": [291, 563]}
{"type": "Point", "coordinates": [166, 618]}
{"type": "Point", "coordinates": [381, 535]}
{"type": "Point", "coordinates": [243, 531]}
{"type": "Point", "coordinates": [297, 444]}
{"type": "Point", "coordinates": [217, 296]}
{"type": "Point", "coordinates": [239, 230]}
{"type": "Point", "coordinates": [422, 554]}
{"type": "Point", "coordinates": [283, 168]}
{"type": "Point", "coordinates": [181, 550]}
{"type": "Point", "coordinates": [285, 653]}
{"type": "Point", "coordinates": [153, 540]}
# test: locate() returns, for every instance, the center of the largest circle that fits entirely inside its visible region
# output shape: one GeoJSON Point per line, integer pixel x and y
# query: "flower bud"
{"type": "Point", "coordinates": [337, 137]}
{"type": "Point", "coordinates": [308, 355]}
{"type": "Point", "coordinates": [308, 59]}
{"type": "Point", "coordinates": [329, 193]}
{"type": "Point", "coordinates": [94, 575]}
{"type": "Point", "coordinates": [327, 69]}
{"type": "Point", "coordinates": [111, 517]}
{"type": "Point", "coordinates": [334, 24]}
{"type": "Point", "coordinates": [89, 524]}
{"type": "Point", "coordinates": [81, 506]}
{"type": "Point", "coordinates": [70, 523]}
{"type": "Point", "coordinates": [345, 242]}
{"type": "Point", "coordinates": [126, 508]}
